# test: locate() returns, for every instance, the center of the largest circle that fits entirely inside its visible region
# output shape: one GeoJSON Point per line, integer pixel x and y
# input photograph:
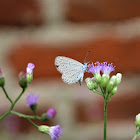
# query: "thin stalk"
{"type": "Point", "coordinates": [13, 104]}
{"type": "Point", "coordinates": [25, 116]}
{"type": "Point", "coordinates": [137, 134]}
{"type": "Point", "coordinates": [135, 137]}
{"type": "Point", "coordinates": [6, 114]}
{"type": "Point", "coordinates": [105, 117]}
{"type": "Point", "coordinates": [32, 123]}
{"type": "Point", "coordinates": [98, 92]}
{"type": "Point", "coordinates": [6, 94]}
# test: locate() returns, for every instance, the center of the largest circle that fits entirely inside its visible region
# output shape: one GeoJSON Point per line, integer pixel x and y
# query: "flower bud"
{"type": "Point", "coordinates": [137, 122]}
{"type": "Point", "coordinates": [114, 79]}
{"type": "Point", "coordinates": [91, 84]}
{"type": "Point", "coordinates": [104, 80]}
{"type": "Point", "coordinates": [97, 77]}
{"type": "Point", "coordinates": [22, 79]}
{"type": "Point", "coordinates": [2, 80]}
{"type": "Point", "coordinates": [110, 86]}
{"type": "Point", "coordinates": [118, 79]}
{"type": "Point", "coordinates": [114, 90]}
{"type": "Point", "coordinates": [50, 113]}
{"type": "Point", "coordinates": [44, 129]}
{"type": "Point", "coordinates": [29, 71]}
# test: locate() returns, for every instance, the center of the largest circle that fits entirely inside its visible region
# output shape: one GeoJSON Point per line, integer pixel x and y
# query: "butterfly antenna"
{"type": "Point", "coordinates": [86, 56]}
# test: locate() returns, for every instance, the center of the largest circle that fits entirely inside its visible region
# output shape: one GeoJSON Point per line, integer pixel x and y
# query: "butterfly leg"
{"type": "Point", "coordinates": [81, 80]}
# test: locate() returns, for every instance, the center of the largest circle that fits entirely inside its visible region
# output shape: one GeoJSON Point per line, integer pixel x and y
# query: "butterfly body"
{"type": "Point", "coordinates": [72, 70]}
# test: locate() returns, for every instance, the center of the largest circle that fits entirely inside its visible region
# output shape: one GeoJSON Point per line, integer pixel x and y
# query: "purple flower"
{"type": "Point", "coordinates": [30, 68]}
{"type": "Point", "coordinates": [31, 99]}
{"type": "Point", "coordinates": [94, 68]}
{"type": "Point", "coordinates": [50, 113]}
{"type": "Point", "coordinates": [107, 68]}
{"type": "Point", "coordinates": [55, 132]}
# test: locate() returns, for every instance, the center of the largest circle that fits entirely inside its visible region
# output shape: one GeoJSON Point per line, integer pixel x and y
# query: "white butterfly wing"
{"type": "Point", "coordinates": [64, 64]}
{"type": "Point", "coordinates": [73, 76]}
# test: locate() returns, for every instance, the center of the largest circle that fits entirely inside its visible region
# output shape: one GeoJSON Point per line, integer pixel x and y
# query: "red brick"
{"type": "Point", "coordinates": [102, 10]}
{"type": "Point", "coordinates": [20, 12]}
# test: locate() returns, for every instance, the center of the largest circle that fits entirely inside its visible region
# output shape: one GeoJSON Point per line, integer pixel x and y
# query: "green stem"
{"type": "Point", "coordinates": [6, 114]}
{"type": "Point", "coordinates": [13, 104]}
{"type": "Point", "coordinates": [101, 88]}
{"type": "Point", "coordinates": [137, 134]}
{"type": "Point", "coordinates": [6, 94]}
{"type": "Point", "coordinates": [25, 116]}
{"type": "Point", "coordinates": [105, 117]}
{"type": "Point", "coordinates": [98, 92]}
{"type": "Point", "coordinates": [135, 137]}
{"type": "Point", "coordinates": [32, 123]}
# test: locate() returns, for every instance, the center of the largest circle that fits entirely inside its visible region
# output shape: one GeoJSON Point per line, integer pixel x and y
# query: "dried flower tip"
{"type": "Point", "coordinates": [22, 79]}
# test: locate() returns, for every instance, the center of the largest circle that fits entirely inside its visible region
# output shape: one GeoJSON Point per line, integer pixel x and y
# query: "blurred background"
{"type": "Point", "coordinates": [39, 30]}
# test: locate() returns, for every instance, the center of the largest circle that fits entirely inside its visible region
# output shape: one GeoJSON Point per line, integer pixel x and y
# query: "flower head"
{"type": "Point", "coordinates": [50, 113]}
{"type": "Point", "coordinates": [94, 68]}
{"type": "Point", "coordinates": [30, 68]}
{"type": "Point", "coordinates": [31, 99]}
{"type": "Point", "coordinates": [55, 132]}
{"type": "Point", "coordinates": [107, 68]}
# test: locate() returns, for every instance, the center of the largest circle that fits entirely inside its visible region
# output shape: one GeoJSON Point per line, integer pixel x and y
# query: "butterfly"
{"type": "Point", "coordinates": [72, 71]}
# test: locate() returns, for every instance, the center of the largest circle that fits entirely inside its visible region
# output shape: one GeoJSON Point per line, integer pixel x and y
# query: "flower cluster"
{"type": "Point", "coordinates": [53, 131]}
{"type": "Point", "coordinates": [25, 79]}
{"type": "Point", "coordinates": [104, 81]}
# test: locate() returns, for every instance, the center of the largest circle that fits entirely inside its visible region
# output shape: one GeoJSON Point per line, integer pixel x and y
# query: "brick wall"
{"type": "Point", "coordinates": [117, 42]}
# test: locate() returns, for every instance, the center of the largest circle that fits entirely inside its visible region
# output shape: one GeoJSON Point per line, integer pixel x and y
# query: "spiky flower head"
{"type": "Point", "coordinates": [107, 68]}
{"type": "Point", "coordinates": [32, 99]}
{"type": "Point", "coordinates": [94, 68]}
